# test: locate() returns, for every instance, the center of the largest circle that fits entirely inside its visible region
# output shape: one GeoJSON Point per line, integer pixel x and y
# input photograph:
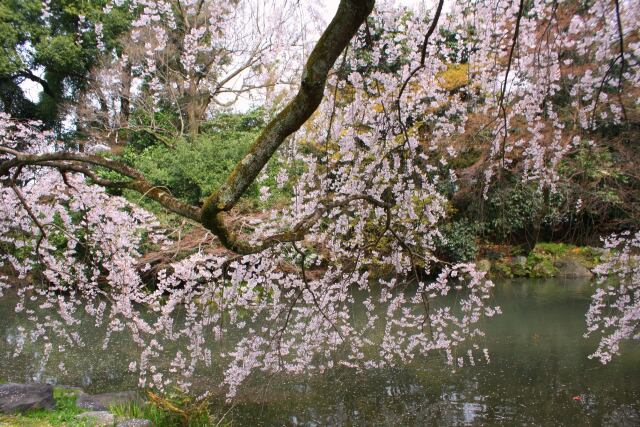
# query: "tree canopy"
{"type": "Point", "coordinates": [398, 120]}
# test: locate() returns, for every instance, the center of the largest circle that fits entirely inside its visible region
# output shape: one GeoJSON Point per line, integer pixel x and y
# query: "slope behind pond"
{"type": "Point", "coordinates": [539, 374]}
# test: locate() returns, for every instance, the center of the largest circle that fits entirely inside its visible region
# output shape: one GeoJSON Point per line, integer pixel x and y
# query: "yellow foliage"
{"type": "Point", "coordinates": [454, 77]}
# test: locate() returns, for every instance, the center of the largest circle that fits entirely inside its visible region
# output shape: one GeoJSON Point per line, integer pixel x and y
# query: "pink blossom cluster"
{"type": "Point", "coordinates": [83, 256]}
{"type": "Point", "coordinates": [614, 313]}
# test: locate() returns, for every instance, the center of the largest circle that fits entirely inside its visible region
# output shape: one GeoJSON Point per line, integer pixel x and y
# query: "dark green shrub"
{"type": "Point", "coordinates": [516, 211]}
{"type": "Point", "coordinates": [458, 243]}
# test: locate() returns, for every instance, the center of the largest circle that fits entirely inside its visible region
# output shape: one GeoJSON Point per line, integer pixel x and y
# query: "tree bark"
{"type": "Point", "coordinates": [349, 16]}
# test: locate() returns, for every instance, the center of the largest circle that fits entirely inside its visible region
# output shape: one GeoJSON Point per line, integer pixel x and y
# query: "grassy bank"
{"type": "Point", "coordinates": [544, 261]}
{"type": "Point", "coordinates": [163, 411]}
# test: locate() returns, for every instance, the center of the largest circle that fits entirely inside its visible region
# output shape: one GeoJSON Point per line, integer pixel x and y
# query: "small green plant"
{"type": "Point", "coordinates": [174, 409]}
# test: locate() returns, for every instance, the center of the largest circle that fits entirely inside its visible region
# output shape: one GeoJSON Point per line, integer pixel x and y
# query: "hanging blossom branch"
{"type": "Point", "coordinates": [614, 313]}
{"type": "Point", "coordinates": [420, 66]}
{"type": "Point", "coordinates": [608, 74]}
{"type": "Point", "coordinates": [75, 162]}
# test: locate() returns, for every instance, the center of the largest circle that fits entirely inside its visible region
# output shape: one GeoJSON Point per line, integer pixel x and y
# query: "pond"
{"type": "Point", "coordinates": [539, 374]}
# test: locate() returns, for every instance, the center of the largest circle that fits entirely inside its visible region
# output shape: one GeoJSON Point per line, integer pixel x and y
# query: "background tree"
{"type": "Point", "coordinates": [184, 60]}
{"type": "Point", "coordinates": [54, 45]}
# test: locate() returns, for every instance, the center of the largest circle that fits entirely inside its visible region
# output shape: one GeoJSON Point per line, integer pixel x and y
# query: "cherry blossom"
{"type": "Point", "coordinates": [376, 154]}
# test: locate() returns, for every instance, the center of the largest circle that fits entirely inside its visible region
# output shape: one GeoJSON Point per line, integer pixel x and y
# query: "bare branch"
{"type": "Point", "coordinates": [506, 78]}
{"type": "Point", "coordinates": [42, 82]}
{"type": "Point", "coordinates": [622, 59]}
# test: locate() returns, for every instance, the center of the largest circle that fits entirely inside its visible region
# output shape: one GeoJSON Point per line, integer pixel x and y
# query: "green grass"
{"type": "Point", "coordinates": [157, 416]}
{"type": "Point", "coordinates": [554, 249]}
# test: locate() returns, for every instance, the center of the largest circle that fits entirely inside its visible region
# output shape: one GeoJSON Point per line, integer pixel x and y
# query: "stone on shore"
{"type": "Point", "coordinates": [97, 418]}
{"type": "Point", "coordinates": [22, 397]}
{"type": "Point", "coordinates": [102, 402]}
{"type": "Point", "coordinates": [134, 422]}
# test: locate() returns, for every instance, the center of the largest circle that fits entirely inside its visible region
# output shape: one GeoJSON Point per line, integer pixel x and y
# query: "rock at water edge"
{"type": "Point", "coordinates": [21, 397]}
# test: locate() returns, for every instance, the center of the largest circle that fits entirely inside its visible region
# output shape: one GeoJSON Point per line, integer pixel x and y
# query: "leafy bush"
{"type": "Point", "coordinates": [515, 209]}
{"type": "Point", "coordinates": [193, 169]}
{"type": "Point", "coordinates": [595, 194]}
{"type": "Point", "coordinates": [150, 128]}
{"type": "Point", "coordinates": [458, 242]}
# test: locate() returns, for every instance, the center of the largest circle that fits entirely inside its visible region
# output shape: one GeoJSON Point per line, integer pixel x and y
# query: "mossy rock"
{"type": "Point", "coordinates": [519, 266]}
{"type": "Point", "coordinates": [501, 269]}
{"type": "Point", "coordinates": [543, 269]}
{"type": "Point", "coordinates": [571, 268]}
{"type": "Point", "coordinates": [483, 265]}
{"type": "Point", "coordinates": [549, 260]}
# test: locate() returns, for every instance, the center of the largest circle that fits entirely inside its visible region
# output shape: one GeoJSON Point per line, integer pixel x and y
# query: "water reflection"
{"type": "Point", "coordinates": [539, 375]}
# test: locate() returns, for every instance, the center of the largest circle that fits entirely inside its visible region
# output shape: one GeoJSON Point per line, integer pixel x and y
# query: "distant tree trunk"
{"type": "Point", "coordinates": [125, 108]}
{"type": "Point", "coordinates": [196, 107]}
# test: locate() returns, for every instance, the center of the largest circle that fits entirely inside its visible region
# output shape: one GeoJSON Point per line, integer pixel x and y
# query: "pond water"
{"type": "Point", "coordinates": [539, 375]}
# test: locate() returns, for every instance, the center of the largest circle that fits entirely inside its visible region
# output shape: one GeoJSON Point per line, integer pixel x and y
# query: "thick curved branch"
{"type": "Point", "coordinates": [23, 159]}
{"type": "Point", "coordinates": [76, 162]}
{"type": "Point", "coordinates": [237, 244]}
{"type": "Point", "coordinates": [349, 16]}
{"type": "Point", "coordinates": [42, 82]}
